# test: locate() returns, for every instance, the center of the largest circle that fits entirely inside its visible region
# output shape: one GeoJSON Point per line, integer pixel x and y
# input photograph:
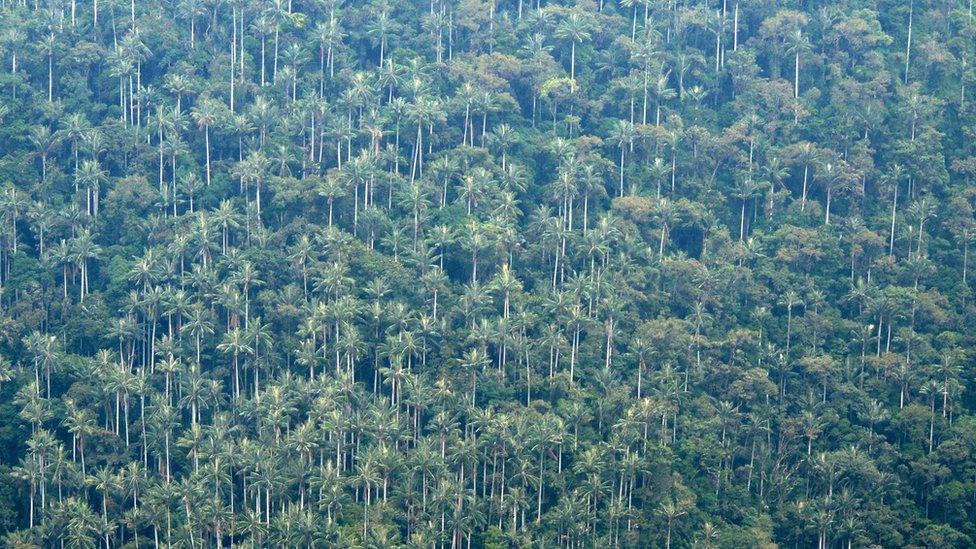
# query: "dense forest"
{"type": "Point", "coordinates": [487, 273]}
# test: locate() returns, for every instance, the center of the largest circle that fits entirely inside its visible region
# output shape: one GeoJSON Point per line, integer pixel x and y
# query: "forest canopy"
{"type": "Point", "coordinates": [487, 273]}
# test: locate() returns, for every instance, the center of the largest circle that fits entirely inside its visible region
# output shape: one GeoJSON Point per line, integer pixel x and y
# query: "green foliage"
{"type": "Point", "coordinates": [473, 273]}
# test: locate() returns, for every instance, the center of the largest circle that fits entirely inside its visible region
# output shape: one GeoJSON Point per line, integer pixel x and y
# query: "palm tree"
{"type": "Point", "coordinates": [717, 25]}
{"type": "Point", "coordinates": [475, 239]}
{"type": "Point", "coordinates": [921, 211]}
{"type": "Point", "coordinates": [832, 177]}
{"type": "Point", "coordinates": [790, 300]}
{"type": "Point", "coordinates": [574, 28]}
{"type": "Point", "coordinates": [47, 46]}
{"type": "Point", "coordinates": [227, 217]}
{"type": "Point", "coordinates": [368, 476]}
{"type": "Point", "coordinates": [44, 142]}
{"type": "Point", "coordinates": [624, 133]}
{"type": "Point", "coordinates": [415, 196]}
{"type": "Point", "coordinates": [658, 172]}
{"type": "Point", "coordinates": [277, 14]}
{"type": "Point", "coordinates": [82, 524]}
{"type": "Point", "coordinates": [81, 425]}
{"type": "Point", "coordinates": [507, 283]}
{"type": "Point", "coordinates": [331, 187]}
{"type": "Point", "coordinates": [662, 92]}
{"type": "Point", "coordinates": [253, 169]}
{"type": "Point", "coordinates": [74, 128]}
{"type": "Point", "coordinates": [709, 535]}
{"type": "Point", "coordinates": [485, 102]}
{"type": "Point", "coordinates": [745, 190]}
{"type": "Point", "coordinates": [205, 114]}
{"type": "Point", "coordinates": [6, 372]}
{"type": "Point", "coordinates": [91, 176]}
{"type": "Point", "coordinates": [84, 249]}
{"type": "Point", "coordinates": [671, 510]}
{"type": "Point", "coordinates": [473, 361]}
{"type": "Point", "coordinates": [106, 482]}
{"type": "Point", "coordinates": [329, 37]}
{"type": "Point", "coordinates": [806, 154]}
{"type": "Point", "coordinates": [235, 343]}
{"type": "Point", "coordinates": [666, 214]}
{"type": "Point", "coordinates": [197, 325]}
{"type": "Point", "coordinates": [797, 43]}
{"type": "Point", "coordinates": [503, 137]}
{"type": "Point", "coordinates": [932, 389]}
{"type": "Point", "coordinates": [379, 29]}
{"type": "Point", "coordinates": [774, 172]}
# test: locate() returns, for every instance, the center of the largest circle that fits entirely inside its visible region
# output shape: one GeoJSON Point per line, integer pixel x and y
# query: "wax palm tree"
{"type": "Point", "coordinates": [921, 211]}
{"type": "Point", "coordinates": [745, 190]}
{"type": "Point", "coordinates": [106, 483]}
{"type": "Point", "coordinates": [227, 217]}
{"type": "Point", "coordinates": [73, 129]}
{"type": "Point", "coordinates": [671, 511]}
{"type": "Point", "coordinates": [797, 43]}
{"type": "Point", "coordinates": [81, 425]}
{"type": "Point", "coordinates": [834, 178]}
{"type": "Point", "coordinates": [667, 215]}
{"type": "Point", "coordinates": [368, 477]}
{"type": "Point", "coordinates": [84, 249]}
{"type": "Point", "coordinates": [205, 114]}
{"type": "Point", "coordinates": [253, 170]}
{"type": "Point", "coordinates": [805, 154]}
{"type": "Point", "coordinates": [197, 325]}
{"type": "Point", "coordinates": [82, 525]}
{"type": "Point", "coordinates": [623, 134]}
{"type": "Point", "coordinates": [235, 343]}
{"type": "Point", "coordinates": [379, 30]}
{"type": "Point", "coordinates": [775, 172]}
{"type": "Point", "coordinates": [91, 176]}
{"type": "Point", "coordinates": [44, 142]}
{"type": "Point", "coordinates": [576, 29]}
{"type": "Point", "coordinates": [790, 300]}
{"type": "Point", "coordinates": [332, 189]}
{"type": "Point", "coordinates": [662, 92]}
{"type": "Point", "coordinates": [503, 137]}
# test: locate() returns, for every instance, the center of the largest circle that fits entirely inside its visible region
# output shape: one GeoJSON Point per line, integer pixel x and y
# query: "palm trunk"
{"type": "Point", "coordinates": [796, 74]}
{"type": "Point", "coordinates": [803, 198]}
{"type": "Point", "coordinates": [206, 135]}
{"type": "Point", "coordinates": [827, 218]}
{"type": "Point", "coordinates": [908, 47]}
{"type": "Point", "coordinates": [894, 207]}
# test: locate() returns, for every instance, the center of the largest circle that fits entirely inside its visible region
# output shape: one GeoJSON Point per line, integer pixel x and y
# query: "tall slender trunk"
{"type": "Point", "coordinates": [796, 74]}
{"type": "Point", "coordinates": [206, 135]}
{"type": "Point", "coordinates": [742, 221]}
{"type": "Point", "coordinates": [803, 197]}
{"type": "Point", "coordinates": [908, 46]}
{"type": "Point", "coordinates": [894, 207]}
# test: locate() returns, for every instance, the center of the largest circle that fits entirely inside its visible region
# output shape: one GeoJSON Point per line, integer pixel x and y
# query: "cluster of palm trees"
{"type": "Point", "coordinates": [306, 273]}
{"type": "Point", "coordinates": [270, 467]}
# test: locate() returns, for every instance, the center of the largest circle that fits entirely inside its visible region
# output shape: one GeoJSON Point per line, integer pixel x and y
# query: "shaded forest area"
{"type": "Point", "coordinates": [485, 274]}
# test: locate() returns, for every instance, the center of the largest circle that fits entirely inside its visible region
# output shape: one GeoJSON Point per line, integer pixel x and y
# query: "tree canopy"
{"type": "Point", "coordinates": [487, 273]}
